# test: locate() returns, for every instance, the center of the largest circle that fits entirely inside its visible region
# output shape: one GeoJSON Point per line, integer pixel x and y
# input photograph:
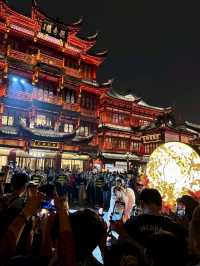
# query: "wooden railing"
{"type": "Point", "coordinates": [72, 72]}
{"type": "Point", "coordinates": [29, 59]}
{"type": "Point", "coordinates": [111, 147]}
{"type": "Point", "coordinates": [50, 60]}
{"type": "Point", "coordinates": [47, 99]}
{"type": "Point", "coordinates": [71, 106]}
{"type": "Point", "coordinates": [109, 120]}
{"type": "Point", "coordinates": [32, 59]}
{"type": "Point", "coordinates": [89, 113]}
{"type": "Point", "coordinates": [20, 95]}
{"type": "Point", "coordinates": [55, 100]}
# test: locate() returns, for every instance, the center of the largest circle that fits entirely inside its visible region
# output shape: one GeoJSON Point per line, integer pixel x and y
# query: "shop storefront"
{"type": "Point", "coordinates": [119, 162]}
{"type": "Point", "coordinates": [4, 153]}
{"type": "Point", "coordinates": [74, 161]}
{"type": "Point", "coordinates": [41, 159]}
{"type": "Point", "coordinates": [36, 159]}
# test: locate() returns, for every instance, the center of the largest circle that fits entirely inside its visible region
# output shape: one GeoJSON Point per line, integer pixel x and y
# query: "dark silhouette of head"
{"type": "Point", "coordinates": [190, 204]}
{"type": "Point", "coordinates": [163, 249]}
{"type": "Point", "coordinates": [123, 250]}
{"type": "Point", "coordinates": [88, 229]}
{"type": "Point", "coordinates": [151, 200]}
{"type": "Point", "coordinates": [18, 182]}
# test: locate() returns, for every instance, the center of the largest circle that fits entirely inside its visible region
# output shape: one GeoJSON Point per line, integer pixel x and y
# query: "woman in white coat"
{"type": "Point", "coordinates": [120, 193]}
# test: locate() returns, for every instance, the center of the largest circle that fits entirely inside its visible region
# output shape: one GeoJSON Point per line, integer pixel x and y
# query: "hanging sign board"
{"type": "Point", "coordinates": [55, 30]}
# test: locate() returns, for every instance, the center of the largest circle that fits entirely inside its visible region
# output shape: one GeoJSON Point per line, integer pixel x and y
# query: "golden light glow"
{"type": "Point", "coordinates": [174, 169]}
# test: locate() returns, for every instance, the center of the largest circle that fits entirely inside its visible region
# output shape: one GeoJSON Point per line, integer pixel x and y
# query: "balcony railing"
{"type": "Point", "coordinates": [89, 113]}
{"type": "Point", "coordinates": [108, 120]}
{"type": "Point", "coordinates": [29, 59]}
{"type": "Point", "coordinates": [56, 100]}
{"type": "Point", "coordinates": [47, 99]}
{"type": "Point", "coordinates": [49, 60]}
{"type": "Point", "coordinates": [111, 147]}
{"type": "Point", "coordinates": [20, 95]}
{"type": "Point", "coordinates": [72, 72]}
{"type": "Point", "coordinates": [71, 106]}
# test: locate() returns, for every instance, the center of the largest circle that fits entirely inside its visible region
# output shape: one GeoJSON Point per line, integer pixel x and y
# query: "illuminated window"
{"type": "Point", "coordinates": [122, 144]}
{"type": "Point", "coordinates": [31, 125]}
{"type": "Point", "coordinates": [86, 131]}
{"type": "Point", "coordinates": [68, 128]}
{"type": "Point", "coordinates": [88, 101]}
{"type": "Point", "coordinates": [120, 117]}
{"type": "Point", "coordinates": [135, 146]}
{"type": "Point", "coordinates": [67, 97]}
{"type": "Point", "coordinates": [46, 90]}
{"type": "Point", "coordinates": [83, 131]}
{"type": "Point", "coordinates": [23, 120]}
{"type": "Point", "coordinates": [115, 118]}
{"type": "Point", "coordinates": [7, 120]}
{"type": "Point", "coordinates": [70, 96]}
{"type": "Point", "coordinates": [42, 120]}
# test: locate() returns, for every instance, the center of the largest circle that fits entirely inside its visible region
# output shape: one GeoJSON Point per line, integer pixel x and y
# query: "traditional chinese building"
{"type": "Point", "coordinates": [53, 112]}
{"type": "Point", "coordinates": [120, 136]}
{"type": "Point", "coordinates": [165, 129]}
{"type": "Point", "coordinates": [48, 91]}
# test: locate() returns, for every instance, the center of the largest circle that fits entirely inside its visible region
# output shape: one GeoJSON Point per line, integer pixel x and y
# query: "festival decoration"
{"type": "Point", "coordinates": [174, 170]}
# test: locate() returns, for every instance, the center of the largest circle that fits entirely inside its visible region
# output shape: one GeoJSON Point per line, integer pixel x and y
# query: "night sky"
{"type": "Point", "coordinates": [154, 46]}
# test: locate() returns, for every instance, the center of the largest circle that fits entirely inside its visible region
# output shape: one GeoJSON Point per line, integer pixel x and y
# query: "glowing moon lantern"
{"type": "Point", "coordinates": [174, 169]}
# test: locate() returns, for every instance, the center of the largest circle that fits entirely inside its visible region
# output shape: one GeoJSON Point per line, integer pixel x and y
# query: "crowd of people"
{"type": "Point", "coordinates": [37, 226]}
{"type": "Point", "coordinates": [88, 188]}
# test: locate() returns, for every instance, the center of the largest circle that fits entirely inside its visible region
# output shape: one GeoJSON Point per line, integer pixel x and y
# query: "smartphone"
{"type": "Point", "coordinates": [180, 211]}
{"type": "Point", "coordinates": [48, 205]}
{"type": "Point", "coordinates": [118, 212]}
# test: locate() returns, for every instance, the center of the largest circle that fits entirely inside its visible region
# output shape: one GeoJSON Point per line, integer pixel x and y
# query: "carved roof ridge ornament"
{"type": "Point", "coordinates": [90, 38]}
{"type": "Point", "coordinates": [143, 103]}
{"type": "Point", "coordinates": [130, 98]}
{"type": "Point", "coordinates": [99, 54]}
{"type": "Point", "coordinates": [78, 23]}
{"type": "Point", "coordinates": [108, 83]}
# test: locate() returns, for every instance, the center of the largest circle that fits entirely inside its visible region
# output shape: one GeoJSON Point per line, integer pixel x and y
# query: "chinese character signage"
{"type": "Point", "coordinates": [151, 138]}
{"type": "Point", "coordinates": [44, 144]}
{"type": "Point", "coordinates": [55, 30]}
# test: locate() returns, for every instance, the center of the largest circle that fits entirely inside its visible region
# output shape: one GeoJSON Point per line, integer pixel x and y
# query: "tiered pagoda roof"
{"type": "Point", "coordinates": [166, 123]}
{"type": "Point", "coordinates": [74, 44]}
{"type": "Point", "coordinates": [124, 97]}
{"type": "Point", "coordinates": [135, 99]}
{"type": "Point", "coordinates": [193, 126]}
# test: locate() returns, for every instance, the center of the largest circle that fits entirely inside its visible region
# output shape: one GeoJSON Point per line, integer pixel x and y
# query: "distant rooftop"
{"type": "Point", "coordinates": [133, 98]}
{"type": "Point", "coordinates": [127, 97]}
